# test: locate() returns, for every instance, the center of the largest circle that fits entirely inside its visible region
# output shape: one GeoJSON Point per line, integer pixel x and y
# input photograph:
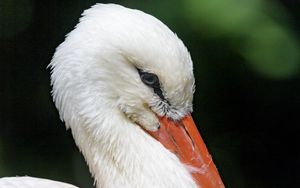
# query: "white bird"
{"type": "Point", "coordinates": [118, 77]}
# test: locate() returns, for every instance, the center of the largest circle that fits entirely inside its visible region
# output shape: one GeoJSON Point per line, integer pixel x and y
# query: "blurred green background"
{"type": "Point", "coordinates": [247, 102]}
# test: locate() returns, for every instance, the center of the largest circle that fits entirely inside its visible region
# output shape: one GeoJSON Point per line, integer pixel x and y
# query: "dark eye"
{"type": "Point", "coordinates": [150, 79]}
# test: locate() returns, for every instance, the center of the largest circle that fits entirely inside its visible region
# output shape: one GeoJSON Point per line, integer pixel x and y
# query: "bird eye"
{"type": "Point", "coordinates": [150, 79]}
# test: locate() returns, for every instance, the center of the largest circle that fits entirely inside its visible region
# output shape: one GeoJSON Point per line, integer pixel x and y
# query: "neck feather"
{"type": "Point", "coordinates": [120, 154]}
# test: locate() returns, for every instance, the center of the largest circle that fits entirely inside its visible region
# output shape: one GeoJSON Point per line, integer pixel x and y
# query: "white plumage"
{"type": "Point", "coordinates": [30, 182]}
{"type": "Point", "coordinates": [101, 98]}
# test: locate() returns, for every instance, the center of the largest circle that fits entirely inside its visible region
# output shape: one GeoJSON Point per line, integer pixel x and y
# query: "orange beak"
{"type": "Point", "coordinates": [183, 139]}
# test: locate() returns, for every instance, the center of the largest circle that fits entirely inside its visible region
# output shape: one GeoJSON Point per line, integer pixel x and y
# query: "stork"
{"type": "Point", "coordinates": [123, 83]}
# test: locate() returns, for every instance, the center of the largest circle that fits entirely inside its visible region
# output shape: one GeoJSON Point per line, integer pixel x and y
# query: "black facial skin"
{"type": "Point", "coordinates": [151, 80]}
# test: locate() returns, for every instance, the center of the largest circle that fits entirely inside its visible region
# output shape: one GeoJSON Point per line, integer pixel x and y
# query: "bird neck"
{"type": "Point", "coordinates": [120, 154]}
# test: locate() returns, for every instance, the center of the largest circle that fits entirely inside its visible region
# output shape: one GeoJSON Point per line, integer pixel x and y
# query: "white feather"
{"type": "Point", "coordinates": [31, 182]}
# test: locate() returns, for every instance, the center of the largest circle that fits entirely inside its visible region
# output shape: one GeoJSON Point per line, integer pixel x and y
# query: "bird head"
{"type": "Point", "coordinates": [123, 59]}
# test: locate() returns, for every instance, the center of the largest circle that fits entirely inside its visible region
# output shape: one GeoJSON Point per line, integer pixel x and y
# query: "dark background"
{"type": "Point", "coordinates": [247, 102]}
